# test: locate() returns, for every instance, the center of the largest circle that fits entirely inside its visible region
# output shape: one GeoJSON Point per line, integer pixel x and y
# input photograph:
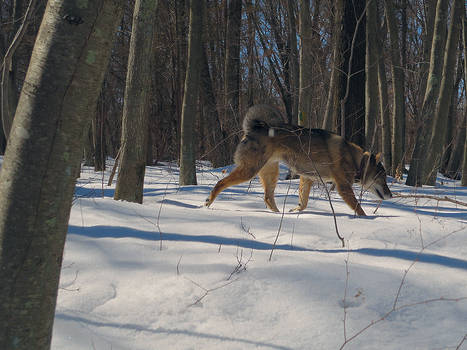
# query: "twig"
{"type": "Point", "coordinates": [282, 219]}
{"type": "Point", "coordinates": [178, 265]}
{"type": "Point", "coordinates": [461, 342]}
{"type": "Point", "coordinates": [396, 308]}
{"type": "Point", "coordinates": [427, 196]}
{"type": "Point", "coordinates": [241, 266]}
{"type": "Point", "coordinates": [114, 168]}
{"type": "Point", "coordinates": [207, 291]}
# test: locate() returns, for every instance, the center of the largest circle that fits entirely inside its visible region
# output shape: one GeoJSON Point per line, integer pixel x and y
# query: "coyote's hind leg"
{"type": "Point", "coordinates": [303, 193]}
{"type": "Point", "coordinates": [237, 176]}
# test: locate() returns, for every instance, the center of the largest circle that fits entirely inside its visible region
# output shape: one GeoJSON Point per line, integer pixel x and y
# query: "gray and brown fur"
{"type": "Point", "coordinates": [314, 154]}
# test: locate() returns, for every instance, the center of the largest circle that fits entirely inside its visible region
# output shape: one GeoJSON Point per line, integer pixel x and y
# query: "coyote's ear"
{"type": "Point", "coordinates": [378, 157]}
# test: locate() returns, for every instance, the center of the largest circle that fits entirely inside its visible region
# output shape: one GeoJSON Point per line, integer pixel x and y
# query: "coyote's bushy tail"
{"type": "Point", "coordinates": [261, 118]}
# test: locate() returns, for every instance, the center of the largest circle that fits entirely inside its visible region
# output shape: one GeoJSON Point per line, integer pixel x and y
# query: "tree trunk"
{"type": "Point", "coordinates": [352, 89]}
{"type": "Point", "coordinates": [438, 132]}
{"type": "Point", "coordinates": [398, 103]}
{"type": "Point", "coordinates": [371, 74]}
{"type": "Point", "coordinates": [332, 111]}
{"type": "Point", "coordinates": [305, 97]}
{"type": "Point", "coordinates": [293, 60]}
{"type": "Point", "coordinates": [232, 68]}
{"type": "Point", "coordinates": [8, 98]}
{"type": "Point", "coordinates": [383, 96]}
{"type": "Point", "coordinates": [217, 151]}
{"type": "Point", "coordinates": [135, 107]}
{"type": "Point", "coordinates": [39, 171]}
{"type": "Point", "coordinates": [190, 99]}
{"type": "Point", "coordinates": [464, 163]}
{"type": "Point", "coordinates": [415, 176]}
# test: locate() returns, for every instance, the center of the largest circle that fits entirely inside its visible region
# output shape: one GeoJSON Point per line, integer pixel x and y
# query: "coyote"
{"type": "Point", "coordinates": [314, 154]}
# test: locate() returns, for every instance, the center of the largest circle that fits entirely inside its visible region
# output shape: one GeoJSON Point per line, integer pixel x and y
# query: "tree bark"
{"type": "Point", "coordinates": [464, 162]}
{"type": "Point", "coordinates": [232, 67]}
{"type": "Point", "coordinates": [415, 176]}
{"type": "Point", "coordinates": [38, 175]}
{"type": "Point", "coordinates": [352, 89]}
{"type": "Point", "coordinates": [7, 90]}
{"type": "Point", "coordinates": [398, 102]}
{"type": "Point", "coordinates": [135, 107]}
{"type": "Point", "coordinates": [385, 121]}
{"type": "Point", "coordinates": [371, 75]}
{"type": "Point", "coordinates": [293, 60]}
{"type": "Point", "coordinates": [332, 110]}
{"type": "Point", "coordinates": [305, 96]}
{"type": "Point", "coordinates": [438, 132]}
{"type": "Point", "coordinates": [190, 99]}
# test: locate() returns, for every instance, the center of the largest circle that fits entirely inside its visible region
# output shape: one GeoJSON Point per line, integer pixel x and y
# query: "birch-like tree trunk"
{"type": "Point", "coordinates": [38, 176]}
{"type": "Point", "coordinates": [135, 106]}
{"type": "Point", "coordinates": [438, 132]}
{"type": "Point", "coordinates": [371, 76]}
{"type": "Point", "coordinates": [415, 176]}
{"type": "Point", "coordinates": [385, 120]}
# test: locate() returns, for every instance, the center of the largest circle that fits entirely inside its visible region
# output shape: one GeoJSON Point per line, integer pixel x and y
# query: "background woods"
{"type": "Point", "coordinates": [388, 75]}
{"type": "Point", "coordinates": [144, 81]}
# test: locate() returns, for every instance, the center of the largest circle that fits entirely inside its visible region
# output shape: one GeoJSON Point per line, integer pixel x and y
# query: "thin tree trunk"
{"type": "Point", "coordinates": [352, 88]}
{"type": "Point", "coordinates": [415, 176]}
{"type": "Point", "coordinates": [464, 162]}
{"type": "Point", "coordinates": [135, 107]}
{"type": "Point", "coordinates": [383, 97]}
{"type": "Point", "coordinates": [293, 60]}
{"type": "Point", "coordinates": [216, 138]}
{"type": "Point", "coordinates": [232, 66]}
{"type": "Point", "coordinates": [371, 74]}
{"type": "Point", "coordinates": [305, 97]}
{"type": "Point", "coordinates": [190, 99]}
{"type": "Point", "coordinates": [38, 176]}
{"type": "Point", "coordinates": [7, 91]}
{"type": "Point", "coordinates": [332, 110]}
{"type": "Point", "coordinates": [438, 132]}
{"type": "Point", "coordinates": [398, 104]}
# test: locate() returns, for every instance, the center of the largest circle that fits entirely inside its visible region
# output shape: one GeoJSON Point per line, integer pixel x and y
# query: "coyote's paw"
{"type": "Point", "coordinates": [297, 208]}
{"type": "Point", "coordinates": [208, 202]}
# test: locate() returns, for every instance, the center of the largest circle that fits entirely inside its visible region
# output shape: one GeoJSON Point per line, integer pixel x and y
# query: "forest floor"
{"type": "Point", "coordinates": [172, 274]}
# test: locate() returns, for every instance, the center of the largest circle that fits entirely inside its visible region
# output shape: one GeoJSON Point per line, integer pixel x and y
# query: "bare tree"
{"type": "Point", "coordinates": [190, 99]}
{"type": "Point", "coordinates": [371, 74]}
{"type": "Point", "coordinates": [415, 175]}
{"type": "Point", "coordinates": [332, 110]}
{"type": "Point", "coordinates": [438, 131]}
{"type": "Point", "coordinates": [232, 66]}
{"type": "Point", "coordinates": [135, 108]}
{"type": "Point", "coordinates": [398, 104]}
{"type": "Point", "coordinates": [464, 37]}
{"type": "Point", "coordinates": [41, 163]}
{"type": "Point", "coordinates": [305, 97]}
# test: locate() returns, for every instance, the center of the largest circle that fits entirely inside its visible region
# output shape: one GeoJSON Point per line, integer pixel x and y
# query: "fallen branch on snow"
{"type": "Point", "coordinates": [436, 198]}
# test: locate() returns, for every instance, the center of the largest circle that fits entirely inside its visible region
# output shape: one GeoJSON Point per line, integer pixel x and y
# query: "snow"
{"type": "Point", "coordinates": [172, 274]}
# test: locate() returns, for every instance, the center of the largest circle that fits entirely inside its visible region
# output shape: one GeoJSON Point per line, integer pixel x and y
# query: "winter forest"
{"type": "Point", "coordinates": [119, 116]}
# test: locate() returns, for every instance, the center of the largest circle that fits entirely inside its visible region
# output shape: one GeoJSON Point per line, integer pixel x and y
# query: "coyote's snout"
{"type": "Point", "coordinates": [314, 154]}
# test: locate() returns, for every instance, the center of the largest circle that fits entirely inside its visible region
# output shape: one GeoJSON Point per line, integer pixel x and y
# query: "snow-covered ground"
{"type": "Point", "coordinates": [172, 274]}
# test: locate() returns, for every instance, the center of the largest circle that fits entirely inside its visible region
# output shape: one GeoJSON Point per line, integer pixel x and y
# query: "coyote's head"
{"type": "Point", "coordinates": [373, 176]}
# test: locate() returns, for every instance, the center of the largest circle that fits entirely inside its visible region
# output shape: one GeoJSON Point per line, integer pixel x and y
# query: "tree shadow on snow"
{"type": "Point", "coordinates": [163, 331]}
{"type": "Point", "coordinates": [126, 232]}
